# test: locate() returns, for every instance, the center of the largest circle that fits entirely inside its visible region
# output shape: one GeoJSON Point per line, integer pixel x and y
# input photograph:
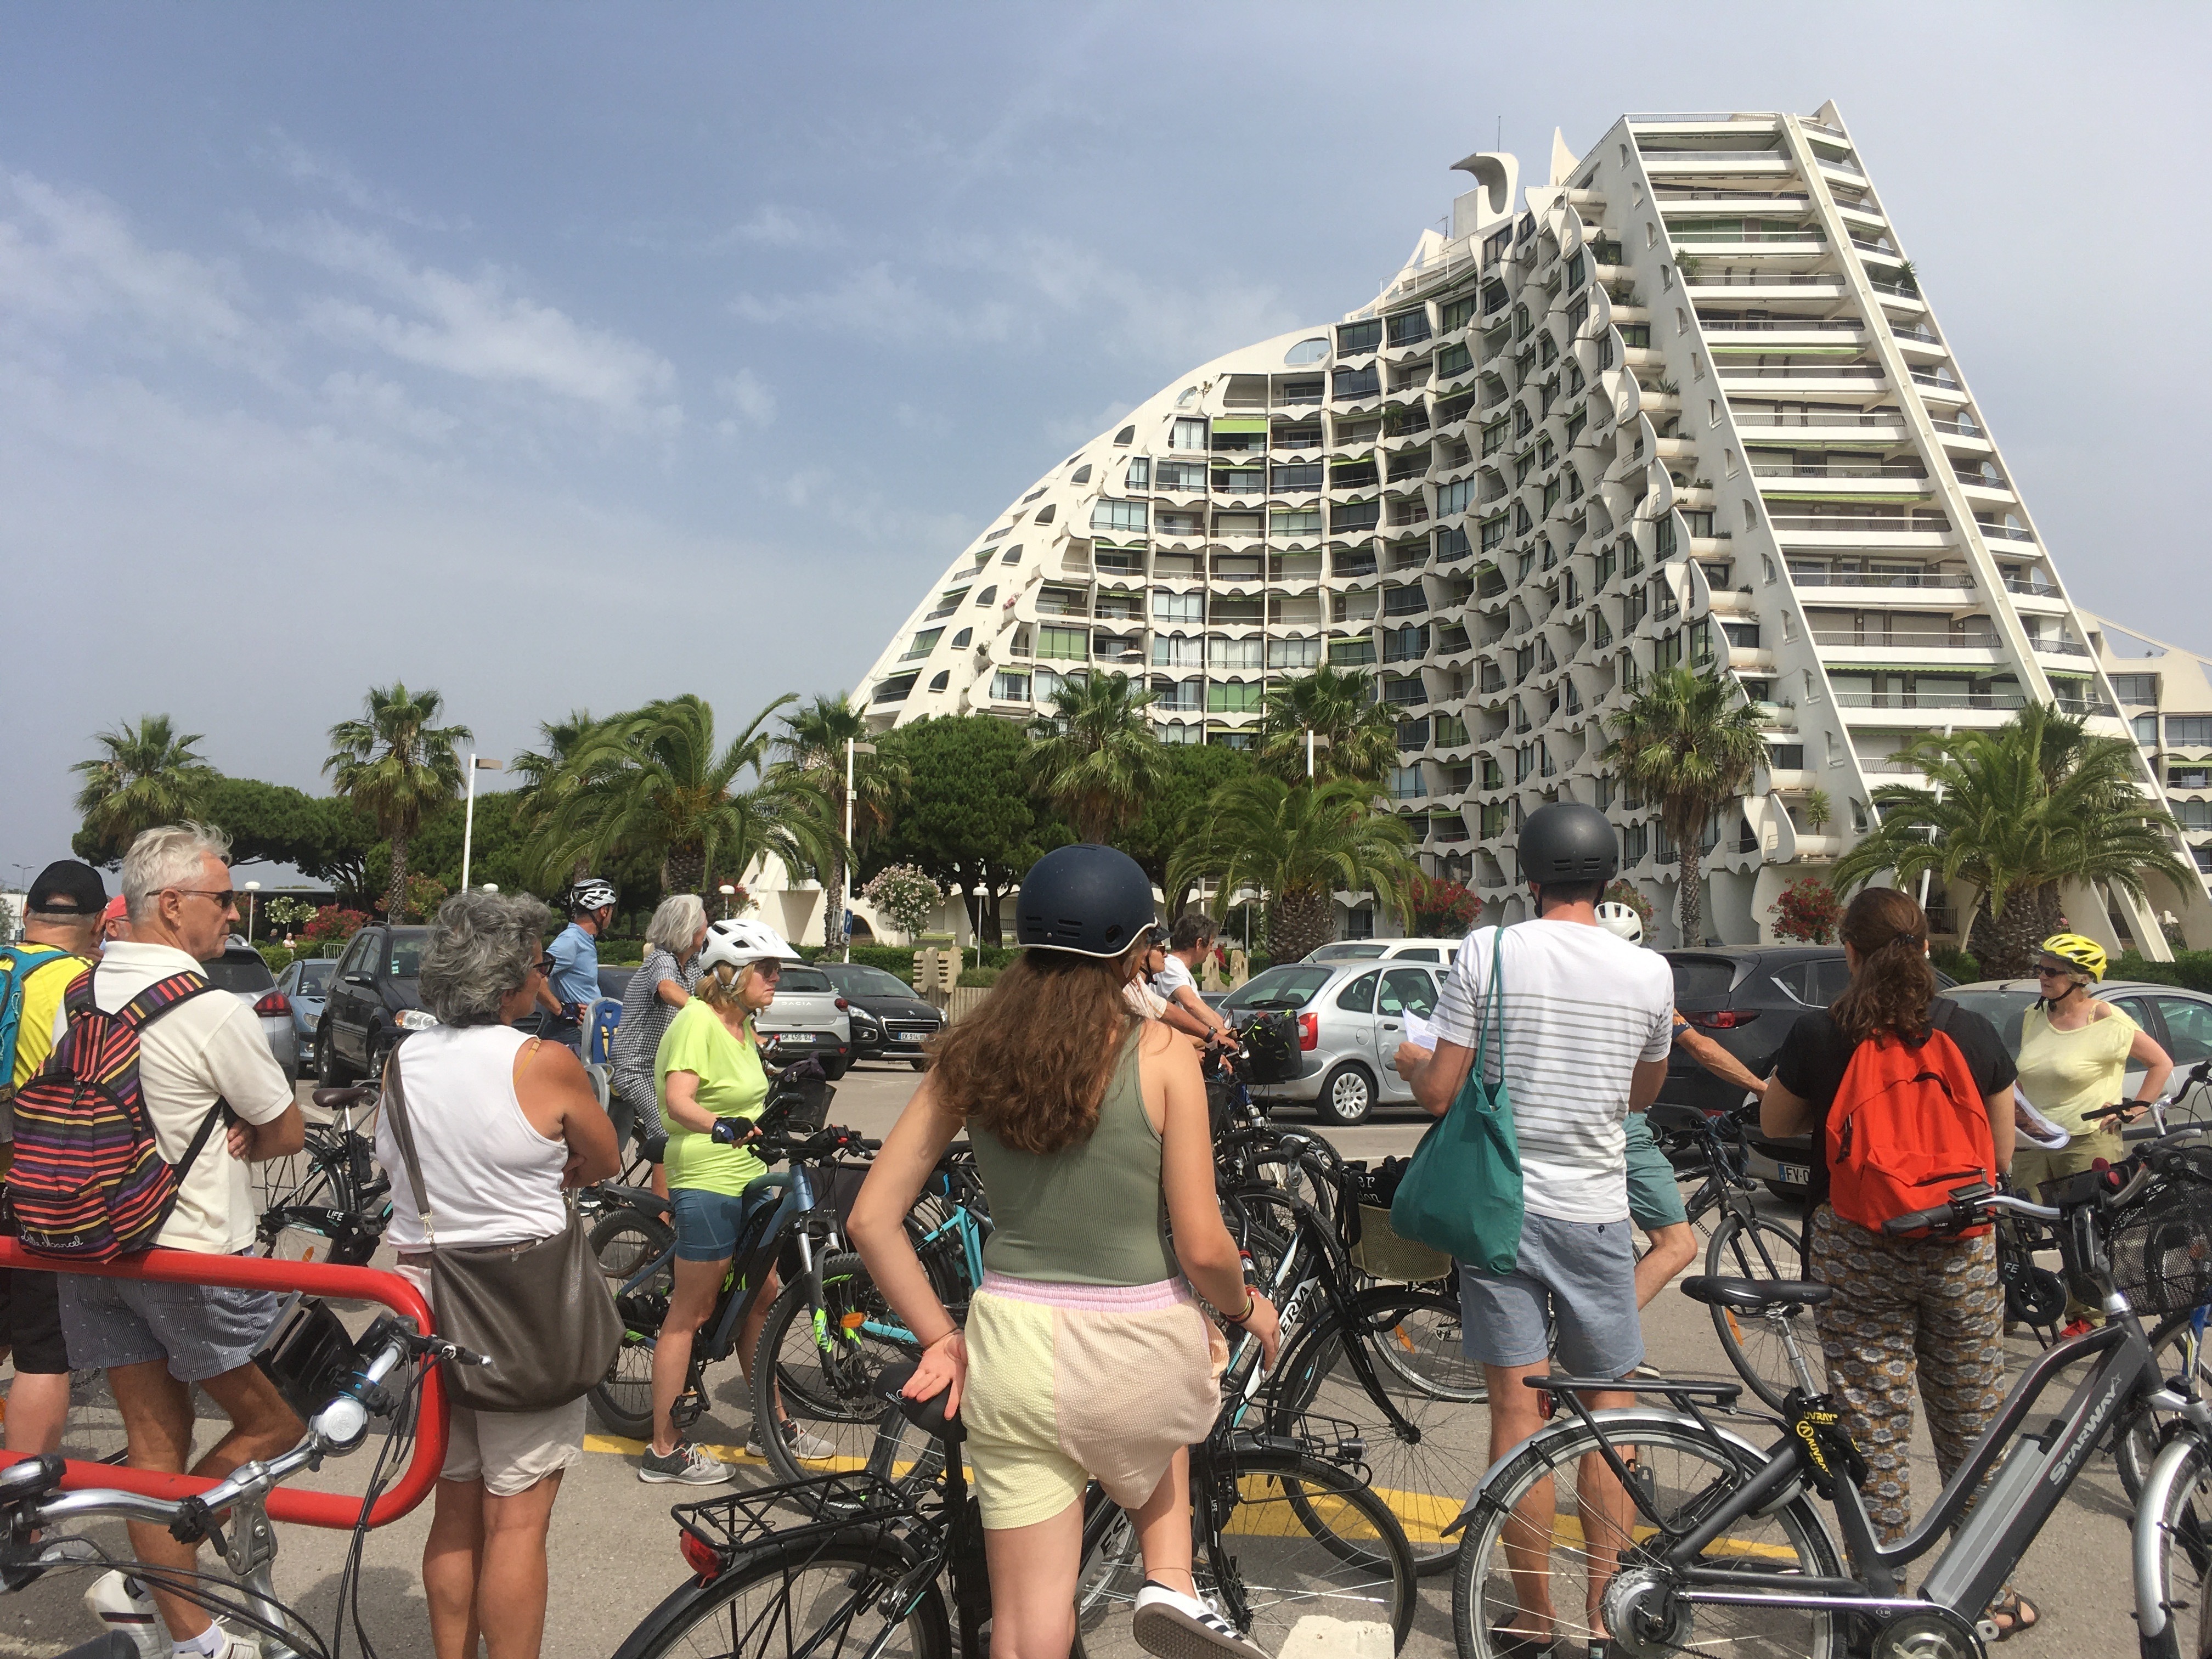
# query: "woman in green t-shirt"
{"type": "Point", "coordinates": [711, 1084]}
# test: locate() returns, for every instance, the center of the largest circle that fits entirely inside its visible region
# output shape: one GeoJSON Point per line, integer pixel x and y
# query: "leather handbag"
{"type": "Point", "coordinates": [1461, 1191]}
{"type": "Point", "coordinates": [539, 1310]}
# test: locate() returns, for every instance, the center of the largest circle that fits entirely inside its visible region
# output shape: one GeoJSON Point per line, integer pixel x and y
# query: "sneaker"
{"type": "Point", "coordinates": [686, 1464]}
{"type": "Point", "coordinates": [1178, 1626]}
{"type": "Point", "coordinates": [806, 1448]}
{"type": "Point", "coordinates": [126, 1608]}
{"type": "Point", "coordinates": [1509, 1643]}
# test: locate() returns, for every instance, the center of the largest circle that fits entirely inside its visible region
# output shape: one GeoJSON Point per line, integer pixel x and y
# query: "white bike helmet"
{"type": "Point", "coordinates": [592, 893]}
{"type": "Point", "coordinates": [741, 944]}
{"type": "Point", "coordinates": [1621, 920]}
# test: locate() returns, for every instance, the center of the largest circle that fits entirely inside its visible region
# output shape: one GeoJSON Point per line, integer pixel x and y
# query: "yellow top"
{"type": "Point", "coordinates": [42, 1001]}
{"type": "Point", "coordinates": [731, 1084]}
{"type": "Point", "coordinates": [2066, 1073]}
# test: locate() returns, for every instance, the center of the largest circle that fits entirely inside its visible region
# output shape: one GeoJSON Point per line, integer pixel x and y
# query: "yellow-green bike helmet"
{"type": "Point", "coordinates": [2086, 954]}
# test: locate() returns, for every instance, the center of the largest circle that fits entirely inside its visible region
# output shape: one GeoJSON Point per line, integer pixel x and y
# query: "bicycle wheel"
{"type": "Point", "coordinates": [626, 1241]}
{"type": "Point", "coordinates": [824, 1597]}
{"type": "Point", "coordinates": [1299, 1537]}
{"type": "Point", "coordinates": [2178, 1347]}
{"type": "Point", "coordinates": [1683, 1475]}
{"type": "Point", "coordinates": [1425, 1470]}
{"type": "Point", "coordinates": [2185, 1558]}
{"type": "Point", "coordinates": [825, 1372]}
{"type": "Point", "coordinates": [1757, 1345]}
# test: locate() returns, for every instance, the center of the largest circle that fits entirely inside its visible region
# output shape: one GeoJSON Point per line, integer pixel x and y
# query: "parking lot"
{"type": "Point", "coordinates": [614, 1550]}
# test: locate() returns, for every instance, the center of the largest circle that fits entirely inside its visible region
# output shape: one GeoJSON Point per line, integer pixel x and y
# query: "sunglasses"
{"type": "Point", "coordinates": [225, 897]}
{"type": "Point", "coordinates": [2044, 971]}
{"type": "Point", "coordinates": [545, 964]}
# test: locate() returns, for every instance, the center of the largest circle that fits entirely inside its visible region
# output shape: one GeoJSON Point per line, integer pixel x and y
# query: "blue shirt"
{"type": "Point", "coordinates": [576, 965]}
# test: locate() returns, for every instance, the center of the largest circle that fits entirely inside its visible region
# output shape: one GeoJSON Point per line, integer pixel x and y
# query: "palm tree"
{"type": "Point", "coordinates": [150, 775]}
{"type": "Point", "coordinates": [653, 783]}
{"type": "Point", "coordinates": [1678, 744]}
{"type": "Point", "coordinates": [1296, 843]}
{"type": "Point", "coordinates": [2015, 812]}
{"type": "Point", "coordinates": [398, 766]}
{"type": "Point", "coordinates": [543, 776]}
{"type": "Point", "coordinates": [814, 749]}
{"type": "Point", "coordinates": [1096, 757]}
{"type": "Point", "coordinates": [1355, 735]}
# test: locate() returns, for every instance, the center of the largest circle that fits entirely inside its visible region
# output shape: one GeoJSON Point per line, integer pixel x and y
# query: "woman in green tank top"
{"type": "Point", "coordinates": [1090, 1131]}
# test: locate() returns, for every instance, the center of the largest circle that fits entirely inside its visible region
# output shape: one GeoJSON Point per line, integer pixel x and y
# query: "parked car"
{"type": "Point", "coordinates": [374, 999]}
{"type": "Point", "coordinates": [241, 971]}
{"type": "Point", "coordinates": [614, 982]}
{"type": "Point", "coordinates": [1393, 949]}
{"type": "Point", "coordinates": [888, 1021]}
{"type": "Point", "coordinates": [808, 1015]}
{"type": "Point", "coordinates": [1350, 1019]}
{"type": "Point", "coordinates": [2179, 1021]}
{"type": "Point", "coordinates": [304, 985]}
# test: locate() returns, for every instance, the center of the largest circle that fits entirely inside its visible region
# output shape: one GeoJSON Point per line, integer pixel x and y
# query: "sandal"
{"type": "Point", "coordinates": [2019, 1614]}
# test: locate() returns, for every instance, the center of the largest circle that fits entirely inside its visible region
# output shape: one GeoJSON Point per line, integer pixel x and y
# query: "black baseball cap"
{"type": "Point", "coordinates": [66, 888]}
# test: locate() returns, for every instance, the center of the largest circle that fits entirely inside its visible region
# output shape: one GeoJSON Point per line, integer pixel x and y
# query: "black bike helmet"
{"type": "Point", "coordinates": [1567, 842]}
{"type": "Point", "coordinates": [1091, 900]}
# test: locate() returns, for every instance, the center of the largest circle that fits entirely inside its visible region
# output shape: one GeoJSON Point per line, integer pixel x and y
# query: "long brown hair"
{"type": "Point", "coordinates": [1032, 1062]}
{"type": "Point", "coordinates": [1894, 983]}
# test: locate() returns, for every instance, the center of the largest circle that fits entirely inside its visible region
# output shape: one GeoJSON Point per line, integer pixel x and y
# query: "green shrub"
{"type": "Point", "coordinates": [1957, 964]}
{"type": "Point", "coordinates": [977, 979]}
{"type": "Point", "coordinates": [278, 954]}
{"type": "Point", "coordinates": [2190, 970]}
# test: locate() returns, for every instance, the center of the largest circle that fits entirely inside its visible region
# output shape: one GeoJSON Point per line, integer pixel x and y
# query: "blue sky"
{"type": "Point", "coordinates": [565, 356]}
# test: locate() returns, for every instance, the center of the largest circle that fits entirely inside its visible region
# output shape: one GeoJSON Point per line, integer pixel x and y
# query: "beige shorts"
{"type": "Point", "coordinates": [509, 1451]}
{"type": "Point", "coordinates": [1072, 1383]}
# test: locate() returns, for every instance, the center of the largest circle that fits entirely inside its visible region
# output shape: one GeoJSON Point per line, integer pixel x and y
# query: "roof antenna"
{"type": "Point", "coordinates": [1500, 143]}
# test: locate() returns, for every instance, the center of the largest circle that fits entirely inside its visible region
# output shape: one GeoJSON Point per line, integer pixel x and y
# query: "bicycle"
{"type": "Point", "coordinates": [344, 1201]}
{"type": "Point", "coordinates": [1705, 1541]}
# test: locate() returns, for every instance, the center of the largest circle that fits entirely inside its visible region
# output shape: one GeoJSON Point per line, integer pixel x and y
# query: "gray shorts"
{"type": "Point", "coordinates": [1580, 1274]}
{"type": "Point", "coordinates": [201, 1330]}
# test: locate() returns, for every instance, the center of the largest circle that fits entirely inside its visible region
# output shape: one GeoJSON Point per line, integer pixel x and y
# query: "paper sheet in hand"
{"type": "Point", "coordinates": [2027, 1122]}
{"type": "Point", "coordinates": [1420, 1032]}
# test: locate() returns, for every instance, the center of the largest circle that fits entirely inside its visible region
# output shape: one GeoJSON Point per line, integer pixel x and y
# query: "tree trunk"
{"type": "Point", "coordinates": [1298, 921]}
{"type": "Point", "coordinates": [2013, 937]}
{"type": "Point", "coordinates": [992, 932]}
{"type": "Point", "coordinates": [833, 912]}
{"type": "Point", "coordinates": [1689, 909]}
{"type": "Point", "coordinates": [2051, 912]}
{"type": "Point", "coordinates": [395, 896]}
{"type": "Point", "coordinates": [687, 871]}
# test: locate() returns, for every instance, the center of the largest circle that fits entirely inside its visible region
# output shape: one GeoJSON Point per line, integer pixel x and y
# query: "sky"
{"type": "Point", "coordinates": [562, 356]}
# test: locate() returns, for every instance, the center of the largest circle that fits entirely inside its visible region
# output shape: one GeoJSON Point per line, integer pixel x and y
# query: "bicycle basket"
{"type": "Point", "coordinates": [2161, 1248]}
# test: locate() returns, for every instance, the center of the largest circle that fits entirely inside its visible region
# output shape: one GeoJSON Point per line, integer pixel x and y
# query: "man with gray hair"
{"type": "Point", "coordinates": [158, 1342]}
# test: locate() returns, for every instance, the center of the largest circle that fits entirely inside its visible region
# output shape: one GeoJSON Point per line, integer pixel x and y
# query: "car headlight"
{"type": "Point", "coordinates": [860, 1019]}
{"type": "Point", "coordinates": [415, 1019]}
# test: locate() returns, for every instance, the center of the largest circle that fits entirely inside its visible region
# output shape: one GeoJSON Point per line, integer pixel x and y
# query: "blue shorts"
{"type": "Point", "coordinates": [201, 1330]}
{"type": "Point", "coordinates": [1580, 1274]}
{"type": "Point", "coordinates": [707, 1223]}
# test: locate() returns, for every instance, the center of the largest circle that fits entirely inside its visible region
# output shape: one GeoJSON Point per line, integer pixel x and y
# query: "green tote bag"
{"type": "Point", "coordinates": [1462, 1192]}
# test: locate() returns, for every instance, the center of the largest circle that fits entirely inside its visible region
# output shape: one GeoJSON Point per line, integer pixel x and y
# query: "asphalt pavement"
{"type": "Point", "coordinates": [613, 1547]}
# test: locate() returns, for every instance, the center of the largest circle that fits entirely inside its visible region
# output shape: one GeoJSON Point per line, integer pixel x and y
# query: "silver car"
{"type": "Point", "coordinates": [241, 971]}
{"type": "Point", "coordinates": [1350, 1019]}
{"type": "Point", "coordinates": [809, 1017]}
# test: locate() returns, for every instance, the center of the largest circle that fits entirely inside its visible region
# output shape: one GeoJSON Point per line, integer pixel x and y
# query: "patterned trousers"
{"type": "Point", "coordinates": [1904, 1306]}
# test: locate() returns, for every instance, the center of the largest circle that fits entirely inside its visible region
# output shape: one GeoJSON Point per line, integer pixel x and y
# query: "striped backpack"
{"type": "Point", "coordinates": [89, 1181]}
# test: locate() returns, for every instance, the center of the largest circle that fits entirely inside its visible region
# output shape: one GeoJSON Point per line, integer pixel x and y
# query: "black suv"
{"type": "Point", "coordinates": [890, 1021]}
{"type": "Point", "coordinates": [374, 1000]}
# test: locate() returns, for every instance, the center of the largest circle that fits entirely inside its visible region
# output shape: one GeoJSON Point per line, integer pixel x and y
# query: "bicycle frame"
{"type": "Point", "coordinates": [759, 1241]}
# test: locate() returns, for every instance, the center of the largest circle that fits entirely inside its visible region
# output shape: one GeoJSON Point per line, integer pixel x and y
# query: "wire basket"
{"type": "Point", "coordinates": [2161, 1248]}
{"type": "Point", "coordinates": [1381, 1252]}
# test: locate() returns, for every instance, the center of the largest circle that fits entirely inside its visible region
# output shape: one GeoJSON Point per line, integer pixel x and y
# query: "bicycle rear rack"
{"type": "Point", "coordinates": [738, 1522]}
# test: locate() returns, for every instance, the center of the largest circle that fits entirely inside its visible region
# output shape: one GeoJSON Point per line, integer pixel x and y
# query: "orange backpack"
{"type": "Point", "coordinates": [1907, 1126]}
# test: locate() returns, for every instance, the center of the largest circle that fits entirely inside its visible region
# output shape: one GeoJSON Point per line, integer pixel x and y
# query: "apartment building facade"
{"type": "Point", "coordinates": [2165, 695]}
{"type": "Point", "coordinates": [1684, 402]}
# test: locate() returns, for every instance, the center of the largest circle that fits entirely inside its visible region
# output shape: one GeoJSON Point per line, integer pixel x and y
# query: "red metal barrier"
{"type": "Point", "coordinates": [312, 1509]}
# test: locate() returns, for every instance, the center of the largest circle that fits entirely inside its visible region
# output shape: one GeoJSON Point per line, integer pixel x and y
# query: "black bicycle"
{"type": "Point", "coordinates": [337, 1211]}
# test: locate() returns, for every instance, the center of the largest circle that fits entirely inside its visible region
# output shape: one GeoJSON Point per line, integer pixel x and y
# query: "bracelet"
{"type": "Point", "coordinates": [1251, 1307]}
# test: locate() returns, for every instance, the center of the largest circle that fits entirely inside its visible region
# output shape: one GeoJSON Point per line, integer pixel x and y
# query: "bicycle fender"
{"type": "Point", "coordinates": [1534, 1449]}
{"type": "Point", "coordinates": [2153, 1620]}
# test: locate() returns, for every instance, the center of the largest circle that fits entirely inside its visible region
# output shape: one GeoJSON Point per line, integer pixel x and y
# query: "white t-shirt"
{"type": "Point", "coordinates": [1580, 1008]}
{"type": "Point", "coordinates": [1172, 978]}
{"type": "Point", "coordinates": [208, 1048]}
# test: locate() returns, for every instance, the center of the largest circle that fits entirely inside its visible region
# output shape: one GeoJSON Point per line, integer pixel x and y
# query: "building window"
{"type": "Point", "coordinates": [925, 642]}
{"type": "Point", "coordinates": [1063, 644]}
{"type": "Point", "coordinates": [1176, 651]}
{"type": "Point", "coordinates": [1178, 607]}
{"type": "Point", "coordinates": [1454, 498]}
{"type": "Point", "coordinates": [1140, 472]}
{"type": "Point", "coordinates": [2136, 688]}
{"type": "Point", "coordinates": [1046, 513]}
{"type": "Point", "coordinates": [1351, 383]}
{"type": "Point", "coordinates": [1187, 433]}
{"type": "Point", "coordinates": [1231, 696]}
{"type": "Point", "coordinates": [1110, 514]}
{"type": "Point", "coordinates": [2146, 727]}
{"type": "Point", "coordinates": [1352, 338]}
{"type": "Point", "coordinates": [2188, 730]}
{"type": "Point", "coordinates": [1009, 687]}
{"type": "Point", "coordinates": [987, 596]}
{"type": "Point", "coordinates": [1125, 437]}
{"type": "Point", "coordinates": [1409, 327]}
{"type": "Point", "coordinates": [1306, 522]}
{"type": "Point", "coordinates": [960, 640]}
{"type": "Point", "coordinates": [1354, 516]}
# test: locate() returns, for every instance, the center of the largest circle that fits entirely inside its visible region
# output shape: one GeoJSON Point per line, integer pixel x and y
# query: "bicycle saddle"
{"type": "Point", "coordinates": [354, 1094]}
{"type": "Point", "coordinates": [927, 1415]}
{"type": "Point", "coordinates": [1675, 1120]}
{"type": "Point", "coordinates": [1755, 1295]}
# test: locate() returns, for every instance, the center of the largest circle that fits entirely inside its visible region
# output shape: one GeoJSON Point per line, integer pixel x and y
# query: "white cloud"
{"type": "Point", "coordinates": [775, 226]}
{"type": "Point", "coordinates": [749, 395]}
{"type": "Point", "coordinates": [303, 165]}
{"type": "Point", "coordinates": [366, 396]}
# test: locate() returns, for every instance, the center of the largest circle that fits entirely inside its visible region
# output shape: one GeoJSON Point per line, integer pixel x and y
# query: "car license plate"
{"type": "Point", "coordinates": [1796, 1174]}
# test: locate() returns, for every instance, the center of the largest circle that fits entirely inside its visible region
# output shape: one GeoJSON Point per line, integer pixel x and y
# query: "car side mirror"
{"type": "Point", "coordinates": [359, 979]}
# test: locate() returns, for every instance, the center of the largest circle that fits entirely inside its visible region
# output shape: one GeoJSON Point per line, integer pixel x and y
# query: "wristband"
{"type": "Point", "coordinates": [1251, 1307]}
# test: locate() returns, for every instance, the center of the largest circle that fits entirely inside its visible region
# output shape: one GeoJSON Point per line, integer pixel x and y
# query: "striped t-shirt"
{"type": "Point", "coordinates": [1580, 1008]}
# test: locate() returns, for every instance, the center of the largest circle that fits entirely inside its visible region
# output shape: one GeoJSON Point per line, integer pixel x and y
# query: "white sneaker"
{"type": "Point", "coordinates": [806, 1448]}
{"type": "Point", "coordinates": [1178, 1626]}
{"type": "Point", "coordinates": [125, 1607]}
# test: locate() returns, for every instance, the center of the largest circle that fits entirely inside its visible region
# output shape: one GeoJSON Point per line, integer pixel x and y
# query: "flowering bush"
{"type": "Point", "coordinates": [1437, 908]}
{"type": "Point", "coordinates": [333, 923]}
{"type": "Point", "coordinates": [424, 895]}
{"type": "Point", "coordinates": [1621, 892]}
{"type": "Point", "coordinates": [906, 896]}
{"type": "Point", "coordinates": [1807, 912]}
{"type": "Point", "coordinates": [287, 915]}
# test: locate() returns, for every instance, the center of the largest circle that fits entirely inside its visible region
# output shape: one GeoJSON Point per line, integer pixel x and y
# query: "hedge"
{"type": "Point", "coordinates": [2190, 970]}
{"type": "Point", "coordinates": [898, 961]}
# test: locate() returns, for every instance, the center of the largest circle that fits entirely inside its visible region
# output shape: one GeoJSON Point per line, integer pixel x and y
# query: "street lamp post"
{"type": "Point", "coordinates": [253, 888]}
{"type": "Point", "coordinates": [728, 893]}
{"type": "Point", "coordinates": [852, 746]}
{"type": "Point", "coordinates": [477, 763]}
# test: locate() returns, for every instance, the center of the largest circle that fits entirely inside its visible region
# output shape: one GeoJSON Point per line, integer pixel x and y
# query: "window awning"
{"type": "Point", "coordinates": [1240, 423]}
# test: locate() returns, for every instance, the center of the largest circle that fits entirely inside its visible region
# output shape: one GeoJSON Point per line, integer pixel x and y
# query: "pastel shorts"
{"type": "Point", "coordinates": [509, 1451]}
{"type": "Point", "coordinates": [1071, 1382]}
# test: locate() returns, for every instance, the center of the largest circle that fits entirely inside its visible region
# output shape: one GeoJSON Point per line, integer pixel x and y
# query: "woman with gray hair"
{"type": "Point", "coordinates": [502, 1123]}
{"type": "Point", "coordinates": [661, 986]}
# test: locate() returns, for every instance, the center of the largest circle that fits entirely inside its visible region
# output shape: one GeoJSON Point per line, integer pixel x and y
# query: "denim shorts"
{"type": "Point", "coordinates": [201, 1330]}
{"type": "Point", "coordinates": [1583, 1273]}
{"type": "Point", "coordinates": [1655, 1197]}
{"type": "Point", "coordinates": [707, 1223]}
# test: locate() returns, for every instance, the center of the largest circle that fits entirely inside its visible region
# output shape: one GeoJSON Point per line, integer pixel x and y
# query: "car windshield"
{"type": "Point", "coordinates": [803, 981]}
{"type": "Point", "coordinates": [239, 970]}
{"type": "Point", "coordinates": [1288, 986]}
{"type": "Point", "coordinates": [2003, 1008]}
{"type": "Point", "coordinates": [857, 980]}
{"type": "Point", "coordinates": [315, 977]}
{"type": "Point", "coordinates": [407, 950]}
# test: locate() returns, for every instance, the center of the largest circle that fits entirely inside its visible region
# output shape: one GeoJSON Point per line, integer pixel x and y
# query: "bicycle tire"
{"type": "Point", "coordinates": [2183, 1356]}
{"type": "Point", "coordinates": [832, 1394]}
{"type": "Point", "coordinates": [1688, 1470]}
{"type": "Point", "coordinates": [781, 1598]}
{"type": "Point", "coordinates": [2186, 1528]}
{"type": "Point", "coordinates": [624, 1240]}
{"type": "Point", "coordinates": [1424, 1472]}
{"type": "Point", "coordinates": [1767, 1250]}
{"type": "Point", "coordinates": [1283, 1567]}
